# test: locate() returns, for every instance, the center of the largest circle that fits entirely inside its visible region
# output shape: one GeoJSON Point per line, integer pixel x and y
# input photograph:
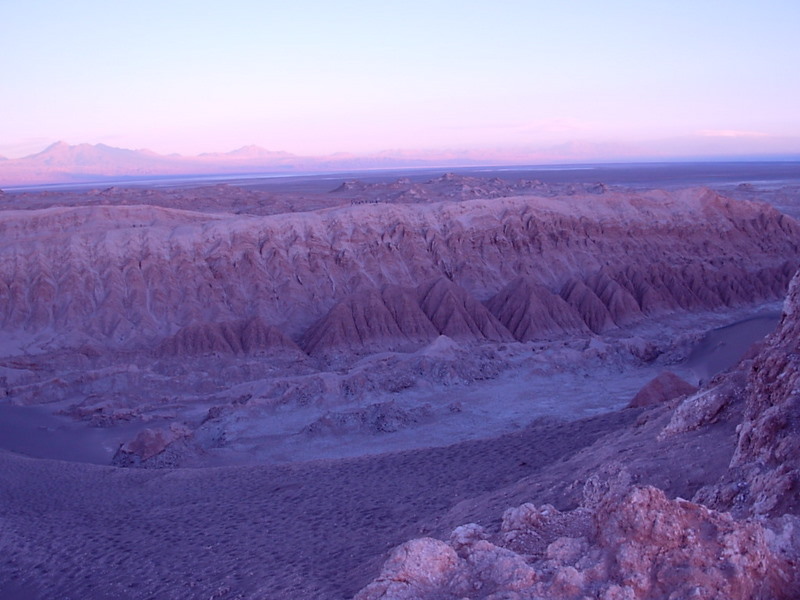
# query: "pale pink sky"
{"type": "Point", "coordinates": [308, 77]}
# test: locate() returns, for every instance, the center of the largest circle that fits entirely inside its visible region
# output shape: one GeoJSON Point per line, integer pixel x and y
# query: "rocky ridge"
{"type": "Point", "coordinates": [132, 277]}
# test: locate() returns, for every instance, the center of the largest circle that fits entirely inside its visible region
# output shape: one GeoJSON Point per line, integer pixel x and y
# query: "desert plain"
{"type": "Point", "coordinates": [416, 385]}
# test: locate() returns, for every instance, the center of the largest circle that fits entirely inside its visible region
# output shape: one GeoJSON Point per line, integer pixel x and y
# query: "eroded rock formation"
{"type": "Point", "coordinates": [131, 276]}
{"type": "Point", "coordinates": [233, 337]}
{"type": "Point", "coordinates": [531, 312]}
{"type": "Point", "coordinates": [387, 319]}
{"type": "Point", "coordinates": [458, 315]}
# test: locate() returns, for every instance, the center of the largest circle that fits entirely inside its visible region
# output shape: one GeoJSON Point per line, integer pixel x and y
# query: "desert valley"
{"type": "Point", "coordinates": [421, 385]}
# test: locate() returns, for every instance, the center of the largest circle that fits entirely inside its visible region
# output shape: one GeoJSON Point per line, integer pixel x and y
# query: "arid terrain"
{"type": "Point", "coordinates": [255, 391]}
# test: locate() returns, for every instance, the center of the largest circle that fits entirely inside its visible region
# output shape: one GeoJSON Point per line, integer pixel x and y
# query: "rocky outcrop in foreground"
{"type": "Point", "coordinates": [737, 539]}
{"type": "Point", "coordinates": [638, 544]}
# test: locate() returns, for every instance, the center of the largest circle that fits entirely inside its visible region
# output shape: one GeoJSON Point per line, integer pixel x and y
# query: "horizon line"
{"type": "Point", "coordinates": [223, 177]}
{"type": "Point", "coordinates": [621, 151]}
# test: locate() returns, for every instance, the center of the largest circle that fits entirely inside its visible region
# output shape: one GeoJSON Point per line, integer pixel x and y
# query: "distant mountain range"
{"type": "Point", "coordinates": [65, 163]}
{"type": "Point", "coordinates": [87, 163]}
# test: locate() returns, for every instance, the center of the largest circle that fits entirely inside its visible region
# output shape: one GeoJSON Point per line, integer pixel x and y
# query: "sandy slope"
{"type": "Point", "coordinates": [309, 530]}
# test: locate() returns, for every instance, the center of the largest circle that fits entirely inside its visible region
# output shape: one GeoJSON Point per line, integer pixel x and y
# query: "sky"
{"type": "Point", "coordinates": [699, 77]}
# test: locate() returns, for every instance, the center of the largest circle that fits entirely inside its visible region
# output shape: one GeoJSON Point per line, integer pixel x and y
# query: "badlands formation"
{"type": "Point", "coordinates": [279, 388]}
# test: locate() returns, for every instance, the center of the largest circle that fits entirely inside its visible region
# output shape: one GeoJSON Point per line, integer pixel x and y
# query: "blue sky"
{"type": "Point", "coordinates": [356, 76]}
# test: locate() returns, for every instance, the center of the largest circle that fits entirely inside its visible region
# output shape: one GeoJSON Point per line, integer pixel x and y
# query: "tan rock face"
{"type": "Point", "coordinates": [638, 545]}
{"type": "Point", "coordinates": [657, 548]}
{"type": "Point", "coordinates": [699, 409]}
{"type": "Point", "coordinates": [417, 569]}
